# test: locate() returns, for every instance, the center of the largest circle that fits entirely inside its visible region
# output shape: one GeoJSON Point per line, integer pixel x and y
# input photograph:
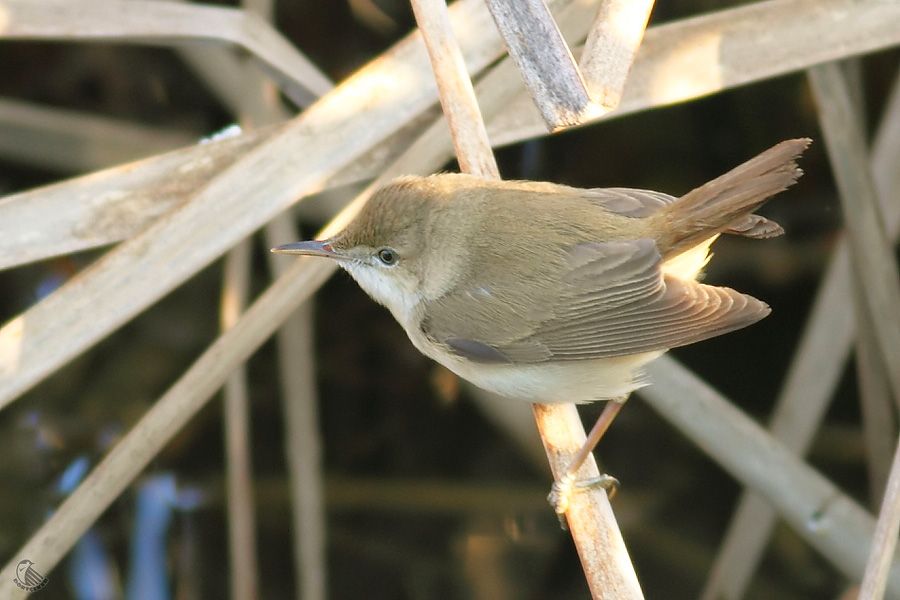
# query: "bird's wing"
{"type": "Point", "coordinates": [636, 203]}
{"type": "Point", "coordinates": [612, 300]}
{"type": "Point", "coordinates": [628, 202]}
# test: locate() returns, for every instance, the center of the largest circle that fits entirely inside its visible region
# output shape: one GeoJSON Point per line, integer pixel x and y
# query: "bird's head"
{"type": "Point", "coordinates": [388, 247]}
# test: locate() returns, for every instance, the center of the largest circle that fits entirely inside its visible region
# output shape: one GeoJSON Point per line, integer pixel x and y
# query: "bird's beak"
{"type": "Point", "coordinates": [309, 248]}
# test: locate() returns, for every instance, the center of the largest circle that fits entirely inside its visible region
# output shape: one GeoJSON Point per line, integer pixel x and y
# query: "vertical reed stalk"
{"type": "Point", "coordinates": [603, 554]}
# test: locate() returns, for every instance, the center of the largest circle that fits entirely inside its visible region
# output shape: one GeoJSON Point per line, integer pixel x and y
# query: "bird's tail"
{"type": "Point", "coordinates": [726, 203]}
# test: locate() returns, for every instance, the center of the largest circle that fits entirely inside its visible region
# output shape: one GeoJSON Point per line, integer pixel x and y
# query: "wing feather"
{"type": "Point", "coordinates": [612, 301]}
{"type": "Point", "coordinates": [637, 203]}
{"type": "Point", "coordinates": [628, 202]}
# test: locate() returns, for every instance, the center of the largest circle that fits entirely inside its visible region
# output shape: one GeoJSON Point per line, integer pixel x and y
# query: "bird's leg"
{"type": "Point", "coordinates": [564, 486]}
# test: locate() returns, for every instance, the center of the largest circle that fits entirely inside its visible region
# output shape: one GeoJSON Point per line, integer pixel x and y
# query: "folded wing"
{"type": "Point", "coordinates": [612, 300]}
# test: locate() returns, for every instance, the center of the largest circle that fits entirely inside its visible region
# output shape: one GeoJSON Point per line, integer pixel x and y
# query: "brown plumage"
{"type": "Point", "coordinates": [725, 203]}
{"type": "Point", "coordinates": [553, 293]}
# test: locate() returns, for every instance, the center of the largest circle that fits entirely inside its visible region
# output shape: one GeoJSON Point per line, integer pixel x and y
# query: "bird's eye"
{"type": "Point", "coordinates": [388, 256]}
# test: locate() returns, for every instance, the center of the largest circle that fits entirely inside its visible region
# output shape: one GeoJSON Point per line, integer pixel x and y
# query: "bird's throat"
{"type": "Point", "coordinates": [387, 291]}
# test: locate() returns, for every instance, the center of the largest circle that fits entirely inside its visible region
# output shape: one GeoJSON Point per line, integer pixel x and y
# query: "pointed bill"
{"type": "Point", "coordinates": [308, 248]}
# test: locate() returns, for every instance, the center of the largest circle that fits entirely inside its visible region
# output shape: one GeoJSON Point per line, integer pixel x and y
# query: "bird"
{"type": "Point", "coordinates": [548, 293]}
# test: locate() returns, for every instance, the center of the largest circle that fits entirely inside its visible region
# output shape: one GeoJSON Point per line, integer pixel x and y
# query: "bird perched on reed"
{"type": "Point", "coordinates": [549, 293]}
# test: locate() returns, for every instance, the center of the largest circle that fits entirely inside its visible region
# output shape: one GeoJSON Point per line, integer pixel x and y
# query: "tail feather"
{"type": "Point", "coordinates": [755, 226]}
{"type": "Point", "coordinates": [726, 202]}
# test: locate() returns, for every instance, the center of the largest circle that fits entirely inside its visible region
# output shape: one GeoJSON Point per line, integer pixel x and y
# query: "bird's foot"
{"type": "Point", "coordinates": [561, 492]}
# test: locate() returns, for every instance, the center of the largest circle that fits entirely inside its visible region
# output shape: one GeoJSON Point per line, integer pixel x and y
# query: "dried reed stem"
{"type": "Point", "coordinates": [167, 416]}
{"type": "Point", "coordinates": [128, 458]}
{"type": "Point", "coordinates": [879, 423]}
{"type": "Point", "coordinates": [346, 123]}
{"type": "Point", "coordinates": [664, 72]}
{"type": "Point", "coordinates": [870, 248]}
{"type": "Point", "coordinates": [495, 91]}
{"type": "Point", "coordinates": [238, 461]}
{"type": "Point", "coordinates": [256, 101]}
{"type": "Point", "coordinates": [812, 376]}
{"type": "Point", "coordinates": [603, 554]}
{"type": "Point", "coordinates": [296, 364]}
{"type": "Point", "coordinates": [694, 57]}
{"type": "Point", "coordinates": [74, 141]}
{"type": "Point", "coordinates": [167, 23]}
{"type": "Point", "coordinates": [118, 203]}
{"type": "Point", "coordinates": [876, 269]}
{"type": "Point", "coordinates": [299, 402]}
{"type": "Point", "coordinates": [875, 579]}
{"type": "Point", "coordinates": [239, 470]}
{"type": "Point", "coordinates": [828, 520]}
{"type": "Point", "coordinates": [865, 26]}
{"type": "Point", "coordinates": [876, 405]}
{"type": "Point", "coordinates": [551, 76]}
{"type": "Point", "coordinates": [611, 46]}
{"type": "Point", "coordinates": [470, 141]}
{"type": "Point", "coordinates": [601, 548]}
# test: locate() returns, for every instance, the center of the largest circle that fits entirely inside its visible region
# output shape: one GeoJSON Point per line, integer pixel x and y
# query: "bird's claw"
{"type": "Point", "coordinates": [605, 481]}
{"type": "Point", "coordinates": [562, 489]}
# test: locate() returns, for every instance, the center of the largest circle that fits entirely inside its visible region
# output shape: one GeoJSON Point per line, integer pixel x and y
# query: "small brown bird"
{"type": "Point", "coordinates": [549, 293]}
